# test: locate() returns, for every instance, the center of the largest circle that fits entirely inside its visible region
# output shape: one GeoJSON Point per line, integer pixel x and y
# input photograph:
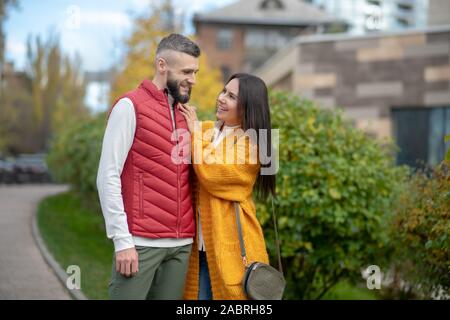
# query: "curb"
{"type": "Point", "coordinates": [52, 263]}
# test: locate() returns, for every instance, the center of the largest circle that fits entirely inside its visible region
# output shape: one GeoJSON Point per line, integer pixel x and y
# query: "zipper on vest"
{"type": "Point", "coordinates": [178, 178]}
{"type": "Point", "coordinates": [173, 125]}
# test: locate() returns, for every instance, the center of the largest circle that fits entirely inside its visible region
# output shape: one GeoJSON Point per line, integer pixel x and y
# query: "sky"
{"type": "Point", "coordinates": [94, 29]}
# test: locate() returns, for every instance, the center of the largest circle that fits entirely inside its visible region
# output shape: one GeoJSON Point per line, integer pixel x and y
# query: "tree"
{"type": "Point", "coordinates": [43, 100]}
{"type": "Point", "coordinates": [57, 88]}
{"type": "Point", "coordinates": [5, 5]}
{"type": "Point", "coordinates": [16, 121]}
{"type": "Point", "coordinates": [140, 56]}
{"type": "Point", "coordinates": [420, 230]}
{"type": "Point", "coordinates": [6, 110]}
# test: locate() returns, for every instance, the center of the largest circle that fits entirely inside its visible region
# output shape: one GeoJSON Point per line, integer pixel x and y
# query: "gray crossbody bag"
{"type": "Point", "coordinates": [261, 281]}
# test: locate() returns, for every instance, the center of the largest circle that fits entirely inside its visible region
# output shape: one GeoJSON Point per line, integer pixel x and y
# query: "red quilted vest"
{"type": "Point", "coordinates": [155, 190]}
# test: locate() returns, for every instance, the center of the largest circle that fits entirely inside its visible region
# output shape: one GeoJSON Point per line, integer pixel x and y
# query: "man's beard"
{"type": "Point", "coordinates": [174, 90]}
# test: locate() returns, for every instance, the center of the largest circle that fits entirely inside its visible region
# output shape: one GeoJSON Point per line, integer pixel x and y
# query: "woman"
{"type": "Point", "coordinates": [228, 171]}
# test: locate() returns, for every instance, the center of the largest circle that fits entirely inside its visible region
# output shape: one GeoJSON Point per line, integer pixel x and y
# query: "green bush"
{"type": "Point", "coordinates": [75, 155]}
{"type": "Point", "coordinates": [336, 187]}
{"type": "Point", "coordinates": [420, 230]}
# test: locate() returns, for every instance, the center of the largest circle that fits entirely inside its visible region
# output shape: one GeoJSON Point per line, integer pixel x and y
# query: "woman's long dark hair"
{"type": "Point", "coordinates": [253, 108]}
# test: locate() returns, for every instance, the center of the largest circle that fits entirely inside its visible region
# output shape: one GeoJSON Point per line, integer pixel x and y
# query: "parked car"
{"type": "Point", "coordinates": [6, 171]}
{"type": "Point", "coordinates": [29, 168]}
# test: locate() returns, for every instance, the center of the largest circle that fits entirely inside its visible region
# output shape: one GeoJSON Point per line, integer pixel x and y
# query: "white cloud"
{"type": "Point", "coordinates": [92, 35]}
{"type": "Point", "coordinates": [15, 51]}
{"type": "Point", "coordinates": [15, 48]}
{"type": "Point", "coordinates": [96, 52]}
{"type": "Point", "coordinates": [140, 4]}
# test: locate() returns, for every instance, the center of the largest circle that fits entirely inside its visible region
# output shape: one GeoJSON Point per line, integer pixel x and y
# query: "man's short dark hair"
{"type": "Point", "coordinates": [180, 43]}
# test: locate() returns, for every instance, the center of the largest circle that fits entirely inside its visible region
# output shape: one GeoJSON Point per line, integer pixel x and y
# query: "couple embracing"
{"type": "Point", "coordinates": [172, 222]}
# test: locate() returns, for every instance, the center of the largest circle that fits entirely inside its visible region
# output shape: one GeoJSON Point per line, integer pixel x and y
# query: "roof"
{"type": "Point", "coordinates": [268, 12]}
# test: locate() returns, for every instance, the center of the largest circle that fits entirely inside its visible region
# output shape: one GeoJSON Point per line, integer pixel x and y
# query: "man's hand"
{"type": "Point", "coordinates": [127, 262]}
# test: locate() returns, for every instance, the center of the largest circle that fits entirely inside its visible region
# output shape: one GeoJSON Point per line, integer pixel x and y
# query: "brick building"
{"type": "Point", "coordinates": [243, 35]}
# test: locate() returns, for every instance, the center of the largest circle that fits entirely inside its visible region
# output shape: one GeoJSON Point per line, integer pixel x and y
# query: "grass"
{"type": "Point", "coordinates": [345, 291]}
{"type": "Point", "coordinates": [76, 236]}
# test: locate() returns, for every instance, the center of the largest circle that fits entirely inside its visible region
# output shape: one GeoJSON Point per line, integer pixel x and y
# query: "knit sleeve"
{"type": "Point", "coordinates": [228, 171]}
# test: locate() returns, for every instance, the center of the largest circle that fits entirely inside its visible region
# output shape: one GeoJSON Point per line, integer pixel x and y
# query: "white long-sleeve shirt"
{"type": "Point", "coordinates": [117, 141]}
{"type": "Point", "coordinates": [219, 135]}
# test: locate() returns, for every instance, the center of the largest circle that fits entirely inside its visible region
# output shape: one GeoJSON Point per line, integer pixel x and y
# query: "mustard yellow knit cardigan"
{"type": "Point", "coordinates": [219, 184]}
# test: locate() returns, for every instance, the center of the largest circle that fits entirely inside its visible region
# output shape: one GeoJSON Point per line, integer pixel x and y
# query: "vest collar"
{"type": "Point", "coordinates": [152, 89]}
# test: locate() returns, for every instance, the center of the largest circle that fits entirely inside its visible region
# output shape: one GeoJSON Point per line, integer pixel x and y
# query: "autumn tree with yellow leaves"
{"type": "Point", "coordinates": [139, 61]}
{"type": "Point", "coordinates": [43, 100]}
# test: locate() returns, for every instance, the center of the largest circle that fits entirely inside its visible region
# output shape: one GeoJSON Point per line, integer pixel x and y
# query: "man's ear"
{"type": "Point", "coordinates": [161, 65]}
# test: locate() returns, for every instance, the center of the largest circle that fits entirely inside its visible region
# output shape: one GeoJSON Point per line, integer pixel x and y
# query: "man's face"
{"type": "Point", "coordinates": [181, 75]}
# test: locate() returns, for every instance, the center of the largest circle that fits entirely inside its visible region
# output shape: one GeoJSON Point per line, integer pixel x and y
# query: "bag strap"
{"type": "Point", "coordinates": [239, 227]}
{"type": "Point", "coordinates": [241, 239]}
{"type": "Point", "coordinates": [277, 239]}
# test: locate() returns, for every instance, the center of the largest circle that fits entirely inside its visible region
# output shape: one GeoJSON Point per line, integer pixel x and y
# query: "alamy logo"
{"type": "Point", "coordinates": [73, 282]}
{"type": "Point", "coordinates": [373, 274]}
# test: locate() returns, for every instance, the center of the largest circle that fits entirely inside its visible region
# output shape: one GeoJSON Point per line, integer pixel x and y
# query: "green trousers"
{"type": "Point", "coordinates": [161, 275]}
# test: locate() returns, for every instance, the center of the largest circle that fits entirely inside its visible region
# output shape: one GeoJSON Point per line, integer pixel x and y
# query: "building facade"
{"type": "Point", "coordinates": [392, 85]}
{"type": "Point", "coordinates": [365, 16]}
{"type": "Point", "coordinates": [242, 36]}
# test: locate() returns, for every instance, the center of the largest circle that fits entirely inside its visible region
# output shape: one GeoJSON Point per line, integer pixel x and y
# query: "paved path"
{"type": "Point", "coordinates": [23, 272]}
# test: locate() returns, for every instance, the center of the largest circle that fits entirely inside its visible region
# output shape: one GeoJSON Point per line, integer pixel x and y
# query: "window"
{"type": "Point", "coordinates": [224, 39]}
{"type": "Point", "coordinates": [374, 2]}
{"type": "Point", "coordinates": [403, 22]}
{"type": "Point", "coordinates": [255, 39]}
{"type": "Point", "coordinates": [272, 4]}
{"type": "Point", "coordinates": [419, 133]}
{"type": "Point", "coordinates": [265, 39]}
{"type": "Point", "coordinates": [404, 6]}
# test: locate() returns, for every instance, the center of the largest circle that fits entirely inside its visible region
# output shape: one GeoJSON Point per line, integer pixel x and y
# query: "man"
{"type": "Point", "coordinates": [144, 194]}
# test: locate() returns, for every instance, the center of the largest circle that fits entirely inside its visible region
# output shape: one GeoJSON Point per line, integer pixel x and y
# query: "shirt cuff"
{"type": "Point", "coordinates": [123, 243]}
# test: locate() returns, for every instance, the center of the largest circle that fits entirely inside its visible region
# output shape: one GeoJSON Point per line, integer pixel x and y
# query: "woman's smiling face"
{"type": "Point", "coordinates": [227, 104]}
